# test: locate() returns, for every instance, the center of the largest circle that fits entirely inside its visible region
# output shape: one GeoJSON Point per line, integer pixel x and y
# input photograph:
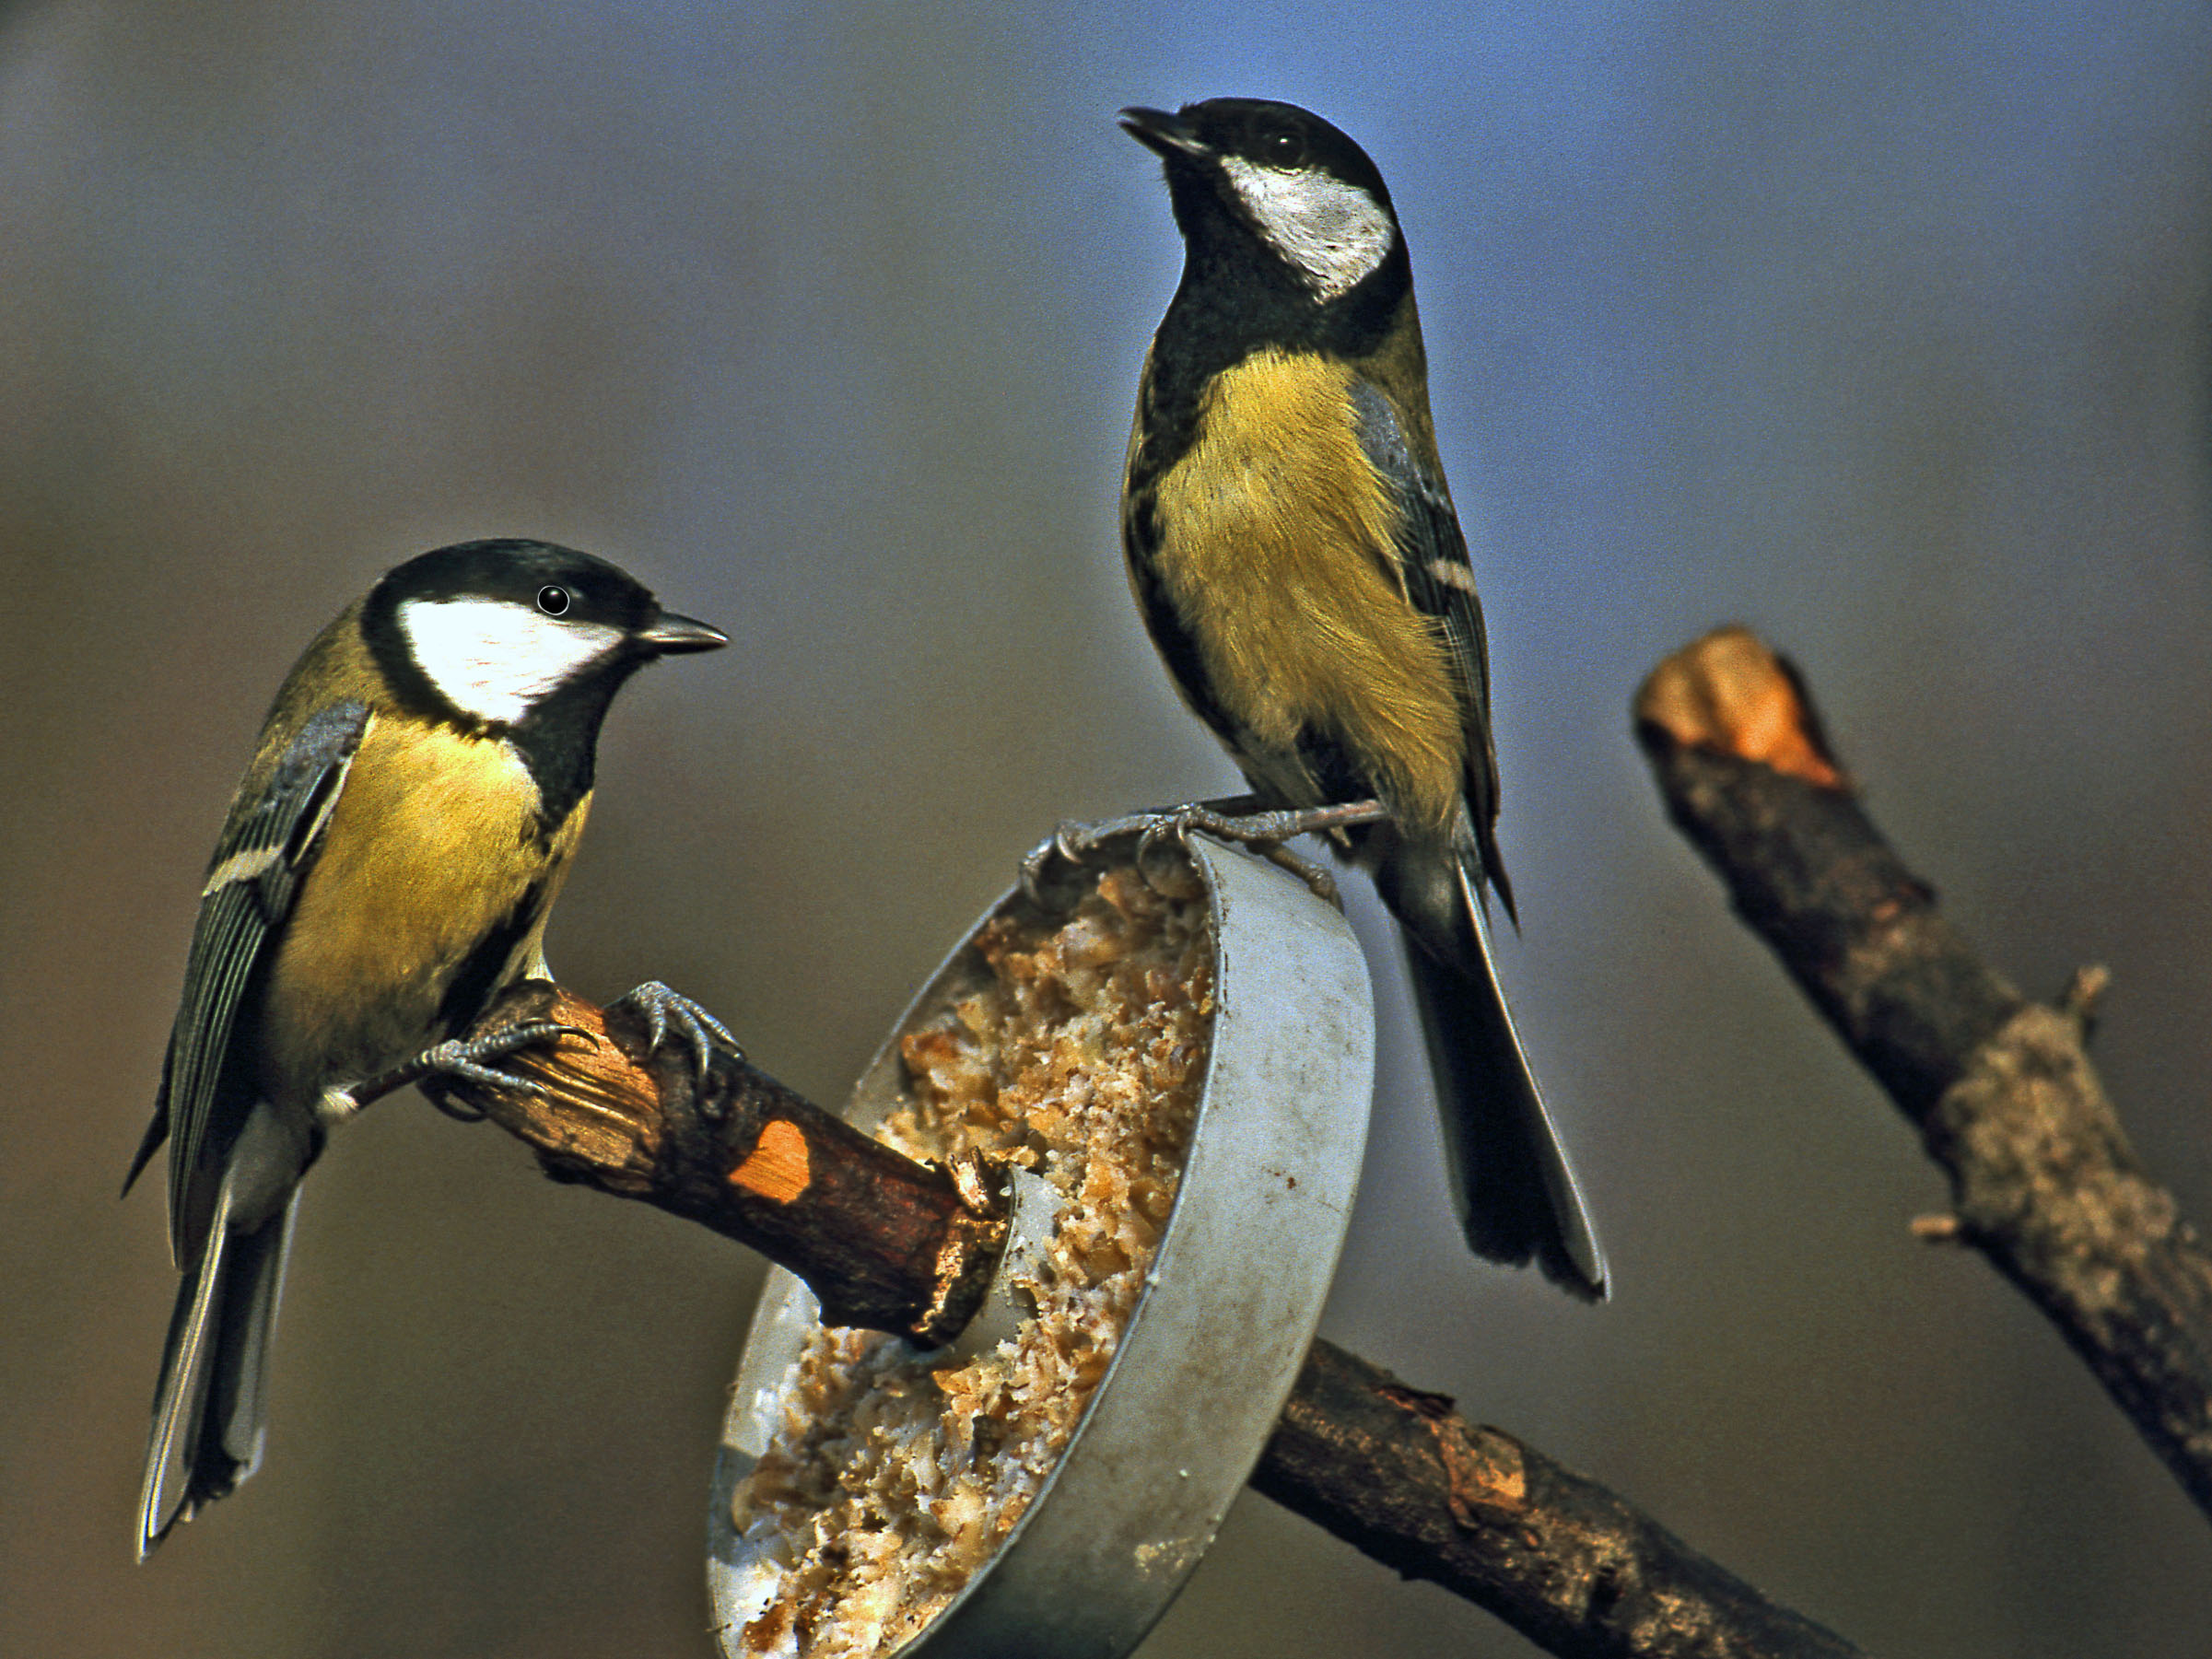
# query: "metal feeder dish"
{"type": "Point", "coordinates": [1219, 1329]}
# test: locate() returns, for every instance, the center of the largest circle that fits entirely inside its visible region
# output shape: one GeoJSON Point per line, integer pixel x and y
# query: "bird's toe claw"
{"type": "Point", "coordinates": [665, 1009]}
{"type": "Point", "coordinates": [1049, 867]}
{"type": "Point", "coordinates": [1324, 886]}
{"type": "Point", "coordinates": [469, 1059]}
{"type": "Point", "coordinates": [1047, 873]}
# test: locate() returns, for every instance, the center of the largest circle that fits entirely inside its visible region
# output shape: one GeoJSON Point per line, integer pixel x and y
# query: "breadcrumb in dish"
{"type": "Point", "coordinates": [895, 1473]}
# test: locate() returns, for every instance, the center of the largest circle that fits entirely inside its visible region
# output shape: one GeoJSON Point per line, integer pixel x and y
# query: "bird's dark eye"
{"type": "Point", "coordinates": [1283, 149]}
{"type": "Point", "coordinates": [553, 601]}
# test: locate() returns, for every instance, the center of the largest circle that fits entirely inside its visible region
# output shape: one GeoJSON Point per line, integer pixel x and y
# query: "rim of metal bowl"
{"type": "Point", "coordinates": [1227, 1312]}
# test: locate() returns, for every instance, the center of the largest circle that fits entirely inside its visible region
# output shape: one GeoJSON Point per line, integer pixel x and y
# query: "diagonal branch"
{"type": "Point", "coordinates": [1576, 1569]}
{"type": "Point", "coordinates": [884, 1241]}
{"type": "Point", "coordinates": [2044, 1181]}
{"type": "Point", "coordinates": [897, 1245]}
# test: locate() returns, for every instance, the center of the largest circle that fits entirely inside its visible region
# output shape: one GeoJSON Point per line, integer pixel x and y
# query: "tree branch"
{"type": "Point", "coordinates": [1393, 1472]}
{"type": "Point", "coordinates": [884, 1241]}
{"type": "Point", "coordinates": [2044, 1181]}
{"type": "Point", "coordinates": [891, 1244]}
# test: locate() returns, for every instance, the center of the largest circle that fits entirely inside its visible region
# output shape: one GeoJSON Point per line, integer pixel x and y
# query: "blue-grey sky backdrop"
{"type": "Point", "coordinates": [1882, 329]}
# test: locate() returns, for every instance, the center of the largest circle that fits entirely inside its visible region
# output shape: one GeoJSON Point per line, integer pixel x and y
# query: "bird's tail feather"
{"type": "Point", "coordinates": [211, 1404]}
{"type": "Point", "coordinates": [1514, 1192]}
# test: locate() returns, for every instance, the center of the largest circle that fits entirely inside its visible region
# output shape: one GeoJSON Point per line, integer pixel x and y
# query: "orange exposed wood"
{"type": "Point", "coordinates": [777, 1168]}
{"type": "Point", "coordinates": [1728, 691]}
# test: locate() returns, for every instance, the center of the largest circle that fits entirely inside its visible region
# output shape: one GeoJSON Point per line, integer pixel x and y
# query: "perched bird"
{"type": "Point", "coordinates": [1295, 551]}
{"type": "Point", "coordinates": [386, 869]}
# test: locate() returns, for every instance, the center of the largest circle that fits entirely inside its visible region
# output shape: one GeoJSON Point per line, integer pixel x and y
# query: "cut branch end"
{"type": "Point", "coordinates": [1729, 693]}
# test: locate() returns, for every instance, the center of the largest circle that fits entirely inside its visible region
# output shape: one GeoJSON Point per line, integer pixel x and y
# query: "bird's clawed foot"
{"type": "Point", "coordinates": [470, 1058]}
{"type": "Point", "coordinates": [464, 1060]}
{"type": "Point", "coordinates": [665, 1009]}
{"type": "Point", "coordinates": [1047, 871]}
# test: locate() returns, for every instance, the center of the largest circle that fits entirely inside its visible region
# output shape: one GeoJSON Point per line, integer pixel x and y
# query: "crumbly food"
{"type": "Point", "coordinates": [895, 1473]}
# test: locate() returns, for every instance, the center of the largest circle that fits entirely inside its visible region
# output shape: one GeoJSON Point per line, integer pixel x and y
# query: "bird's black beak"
{"type": "Point", "coordinates": [1164, 133]}
{"type": "Point", "coordinates": [674, 635]}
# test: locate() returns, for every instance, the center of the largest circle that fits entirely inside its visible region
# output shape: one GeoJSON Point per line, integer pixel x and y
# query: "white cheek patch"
{"type": "Point", "coordinates": [495, 660]}
{"type": "Point", "coordinates": [1333, 232]}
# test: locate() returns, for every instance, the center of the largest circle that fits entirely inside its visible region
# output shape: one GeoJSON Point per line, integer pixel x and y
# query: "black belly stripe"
{"type": "Point", "coordinates": [477, 978]}
{"type": "Point", "coordinates": [1177, 646]}
{"type": "Point", "coordinates": [1334, 771]}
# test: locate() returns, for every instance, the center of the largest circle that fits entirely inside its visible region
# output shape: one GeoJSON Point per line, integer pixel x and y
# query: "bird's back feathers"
{"type": "Point", "coordinates": [268, 844]}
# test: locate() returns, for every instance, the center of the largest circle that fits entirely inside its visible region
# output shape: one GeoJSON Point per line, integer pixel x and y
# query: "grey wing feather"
{"type": "Point", "coordinates": [1439, 581]}
{"type": "Point", "coordinates": [254, 878]}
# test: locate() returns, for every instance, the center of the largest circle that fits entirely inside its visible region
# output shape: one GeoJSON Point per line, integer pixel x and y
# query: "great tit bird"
{"type": "Point", "coordinates": [1293, 545]}
{"type": "Point", "coordinates": [385, 871]}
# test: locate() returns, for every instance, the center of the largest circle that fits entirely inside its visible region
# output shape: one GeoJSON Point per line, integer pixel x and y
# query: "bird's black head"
{"type": "Point", "coordinates": [486, 632]}
{"type": "Point", "coordinates": [1268, 195]}
{"type": "Point", "coordinates": [522, 637]}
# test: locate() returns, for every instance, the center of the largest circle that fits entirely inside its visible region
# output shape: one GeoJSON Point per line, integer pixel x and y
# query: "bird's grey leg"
{"type": "Point", "coordinates": [700, 1030]}
{"type": "Point", "coordinates": [467, 1058]}
{"type": "Point", "coordinates": [1240, 819]}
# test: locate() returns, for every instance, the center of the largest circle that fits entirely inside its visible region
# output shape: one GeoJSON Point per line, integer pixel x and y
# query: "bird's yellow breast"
{"type": "Point", "coordinates": [433, 844]}
{"type": "Point", "coordinates": [1277, 547]}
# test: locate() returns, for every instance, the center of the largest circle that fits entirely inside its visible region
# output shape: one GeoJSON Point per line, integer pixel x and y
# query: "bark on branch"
{"type": "Point", "coordinates": [1394, 1472]}
{"type": "Point", "coordinates": [893, 1245]}
{"type": "Point", "coordinates": [2044, 1181]}
{"type": "Point", "coordinates": [884, 1241]}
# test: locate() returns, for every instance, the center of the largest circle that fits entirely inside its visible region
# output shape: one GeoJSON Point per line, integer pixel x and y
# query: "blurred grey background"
{"type": "Point", "coordinates": [1883, 328]}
